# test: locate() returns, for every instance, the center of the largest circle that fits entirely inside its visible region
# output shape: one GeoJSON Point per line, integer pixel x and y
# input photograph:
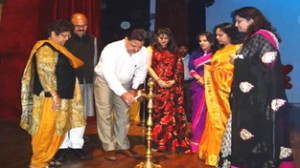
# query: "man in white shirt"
{"type": "Point", "coordinates": [121, 69]}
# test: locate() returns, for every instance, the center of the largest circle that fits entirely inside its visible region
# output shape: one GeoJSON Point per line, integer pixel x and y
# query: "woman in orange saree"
{"type": "Point", "coordinates": [217, 82]}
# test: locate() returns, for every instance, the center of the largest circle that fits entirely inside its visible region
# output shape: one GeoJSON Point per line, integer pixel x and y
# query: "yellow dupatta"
{"type": "Point", "coordinates": [27, 84]}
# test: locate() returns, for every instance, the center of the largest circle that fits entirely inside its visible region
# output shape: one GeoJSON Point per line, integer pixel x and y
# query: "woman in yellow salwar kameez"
{"type": "Point", "coordinates": [217, 83]}
{"type": "Point", "coordinates": [50, 95]}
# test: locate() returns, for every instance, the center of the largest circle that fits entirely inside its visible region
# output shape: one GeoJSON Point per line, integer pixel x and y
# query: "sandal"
{"type": "Point", "coordinates": [55, 163]}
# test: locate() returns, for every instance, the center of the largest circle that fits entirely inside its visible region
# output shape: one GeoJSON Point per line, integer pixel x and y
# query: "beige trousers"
{"type": "Point", "coordinates": [112, 116]}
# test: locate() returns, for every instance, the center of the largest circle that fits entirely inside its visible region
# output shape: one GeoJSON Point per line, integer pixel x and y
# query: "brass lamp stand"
{"type": "Point", "coordinates": [150, 96]}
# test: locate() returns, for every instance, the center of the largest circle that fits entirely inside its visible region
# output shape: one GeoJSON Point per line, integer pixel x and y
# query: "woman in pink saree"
{"type": "Point", "coordinates": [196, 66]}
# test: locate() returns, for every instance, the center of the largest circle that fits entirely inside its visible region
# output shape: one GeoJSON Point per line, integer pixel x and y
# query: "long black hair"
{"type": "Point", "coordinates": [231, 31]}
{"type": "Point", "coordinates": [210, 38]}
{"type": "Point", "coordinates": [260, 21]}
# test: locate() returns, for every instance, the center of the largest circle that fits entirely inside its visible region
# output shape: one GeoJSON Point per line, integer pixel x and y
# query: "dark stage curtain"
{"type": "Point", "coordinates": [63, 9]}
{"type": "Point", "coordinates": [186, 19]}
{"type": "Point", "coordinates": [91, 8]}
{"type": "Point", "coordinates": [18, 30]}
{"type": "Point", "coordinates": [173, 14]}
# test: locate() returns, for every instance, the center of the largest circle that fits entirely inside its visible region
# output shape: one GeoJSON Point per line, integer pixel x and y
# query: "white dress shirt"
{"type": "Point", "coordinates": [117, 67]}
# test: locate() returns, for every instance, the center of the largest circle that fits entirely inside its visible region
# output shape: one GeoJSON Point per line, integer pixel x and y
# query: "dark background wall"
{"type": "Point", "coordinates": [113, 13]}
{"type": "Point", "coordinates": [25, 22]}
{"type": "Point", "coordinates": [186, 18]}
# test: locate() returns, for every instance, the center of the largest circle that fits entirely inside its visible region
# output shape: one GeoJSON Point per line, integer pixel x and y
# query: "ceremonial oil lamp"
{"type": "Point", "coordinates": [150, 96]}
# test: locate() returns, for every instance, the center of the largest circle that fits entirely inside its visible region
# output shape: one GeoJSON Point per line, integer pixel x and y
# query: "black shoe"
{"type": "Point", "coordinates": [79, 153]}
{"type": "Point", "coordinates": [55, 164]}
{"type": "Point", "coordinates": [60, 154]}
{"type": "Point", "coordinates": [128, 153]}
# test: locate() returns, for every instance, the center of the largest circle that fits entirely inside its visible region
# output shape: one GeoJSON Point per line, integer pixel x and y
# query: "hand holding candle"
{"type": "Point", "coordinates": [138, 95]}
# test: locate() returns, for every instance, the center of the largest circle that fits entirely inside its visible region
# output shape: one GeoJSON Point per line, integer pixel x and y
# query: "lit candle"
{"type": "Point", "coordinates": [138, 95]}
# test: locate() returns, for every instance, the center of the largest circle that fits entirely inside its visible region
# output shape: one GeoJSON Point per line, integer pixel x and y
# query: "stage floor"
{"type": "Point", "coordinates": [15, 149]}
